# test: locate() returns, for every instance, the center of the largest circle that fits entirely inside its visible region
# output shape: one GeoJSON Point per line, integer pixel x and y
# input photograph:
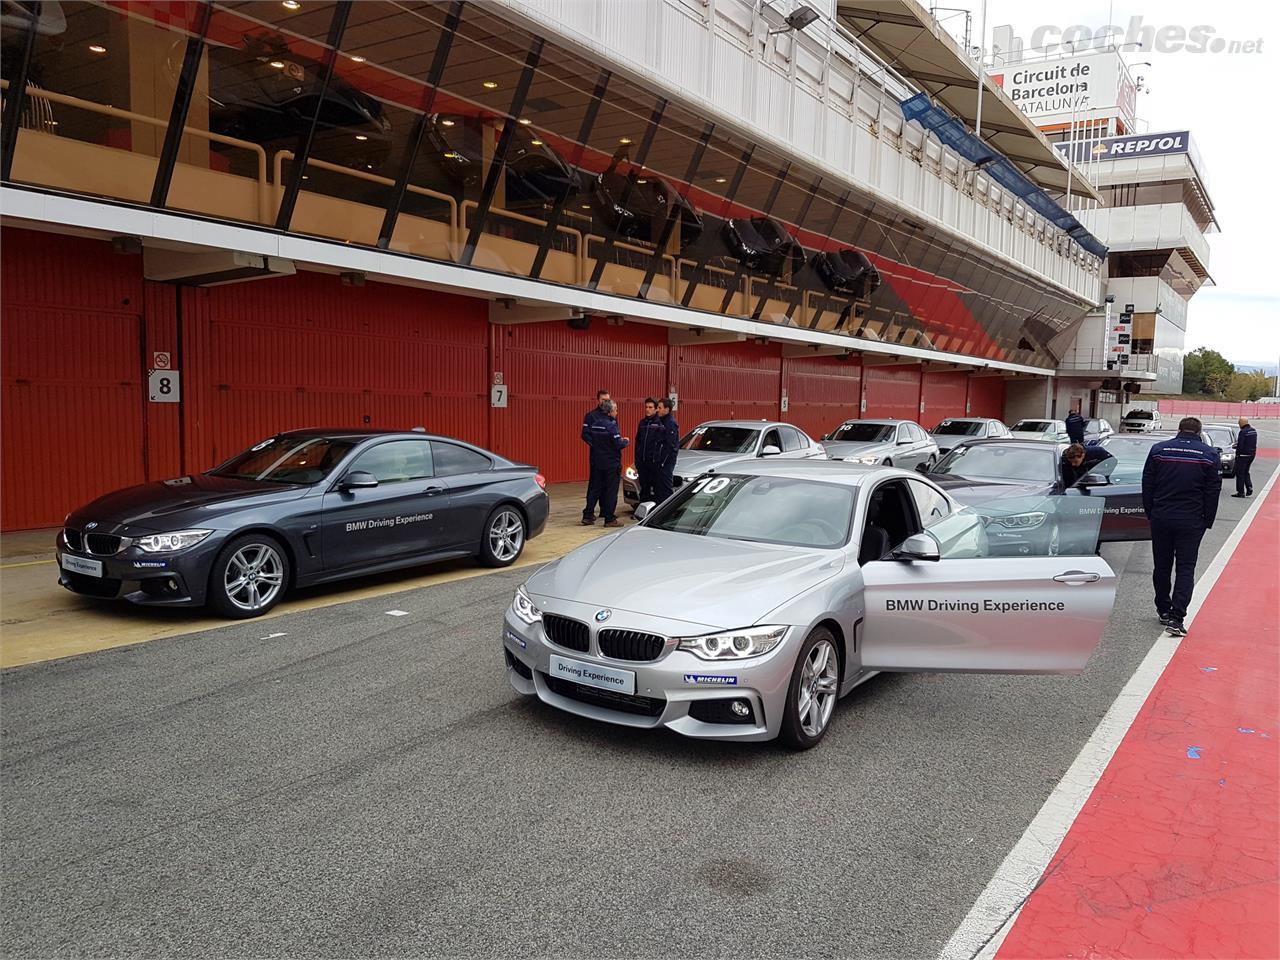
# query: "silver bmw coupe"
{"type": "Point", "coordinates": [747, 604]}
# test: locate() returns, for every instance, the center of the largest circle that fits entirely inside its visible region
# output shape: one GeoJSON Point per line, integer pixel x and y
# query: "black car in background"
{"type": "Point", "coordinates": [1017, 485]}
{"type": "Point", "coordinates": [763, 244]}
{"type": "Point", "coordinates": [847, 272]}
{"type": "Point", "coordinates": [300, 508]}
{"type": "Point", "coordinates": [1222, 437]}
{"type": "Point", "coordinates": [638, 204]}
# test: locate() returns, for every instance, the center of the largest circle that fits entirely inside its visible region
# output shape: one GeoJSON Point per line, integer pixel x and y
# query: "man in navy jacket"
{"type": "Point", "coordinates": [1075, 427]}
{"type": "Point", "coordinates": [664, 479]}
{"type": "Point", "coordinates": [600, 432]}
{"type": "Point", "coordinates": [1180, 485]}
{"type": "Point", "coordinates": [648, 449]}
{"type": "Point", "coordinates": [1246, 450]}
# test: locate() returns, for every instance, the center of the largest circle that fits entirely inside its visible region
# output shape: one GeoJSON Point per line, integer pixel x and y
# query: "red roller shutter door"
{"type": "Point", "coordinates": [892, 392]}
{"type": "Point", "coordinates": [945, 395]}
{"type": "Point", "coordinates": [986, 397]}
{"type": "Point", "coordinates": [822, 392]}
{"type": "Point", "coordinates": [305, 351]}
{"type": "Point", "coordinates": [553, 373]}
{"type": "Point", "coordinates": [70, 336]}
{"type": "Point", "coordinates": [726, 381]}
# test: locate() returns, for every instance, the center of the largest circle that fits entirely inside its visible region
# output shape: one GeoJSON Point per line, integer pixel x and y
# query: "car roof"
{"type": "Point", "coordinates": [748, 424]}
{"type": "Point", "coordinates": [349, 433]}
{"type": "Point", "coordinates": [884, 421]}
{"type": "Point", "coordinates": [966, 419]}
{"type": "Point", "coordinates": [1012, 442]}
{"type": "Point", "coordinates": [829, 471]}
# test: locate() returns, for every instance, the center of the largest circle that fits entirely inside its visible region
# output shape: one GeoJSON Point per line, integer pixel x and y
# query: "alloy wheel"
{"type": "Point", "coordinates": [254, 576]}
{"type": "Point", "coordinates": [819, 679]}
{"type": "Point", "coordinates": [506, 535]}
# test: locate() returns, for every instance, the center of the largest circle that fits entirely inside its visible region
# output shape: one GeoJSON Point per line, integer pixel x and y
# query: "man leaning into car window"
{"type": "Point", "coordinates": [1078, 461]}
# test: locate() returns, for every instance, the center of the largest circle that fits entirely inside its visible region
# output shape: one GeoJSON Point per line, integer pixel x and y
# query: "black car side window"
{"type": "Point", "coordinates": [452, 459]}
{"type": "Point", "coordinates": [396, 461]}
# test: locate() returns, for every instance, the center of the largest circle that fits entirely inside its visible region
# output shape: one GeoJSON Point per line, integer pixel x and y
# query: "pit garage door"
{"type": "Point", "coordinates": [944, 394]}
{"type": "Point", "coordinates": [70, 337]}
{"type": "Point", "coordinates": [892, 392]}
{"type": "Point", "coordinates": [986, 397]}
{"type": "Point", "coordinates": [726, 381]}
{"type": "Point", "coordinates": [822, 392]}
{"type": "Point", "coordinates": [553, 373]}
{"type": "Point", "coordinates": [305, 351]}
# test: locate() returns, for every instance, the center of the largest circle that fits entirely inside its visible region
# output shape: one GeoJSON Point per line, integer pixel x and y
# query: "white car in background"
{"type": "Point", "coordinates": [954, 431]}
{"type": "Point", "coordinates": [1053, 431]}
{"type": "Point", "coordinates": [1141, 421]}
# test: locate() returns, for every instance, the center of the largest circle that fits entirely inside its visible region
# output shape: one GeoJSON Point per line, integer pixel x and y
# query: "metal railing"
{"type": "Point", "coordinates": [1096, 359]}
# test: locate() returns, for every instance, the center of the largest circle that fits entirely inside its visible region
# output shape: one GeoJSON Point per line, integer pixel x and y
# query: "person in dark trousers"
{"type": "Point", "coordinates": [1078, 461]}
{"type": "Point", "coordinates": [1181, 481]}
{"type": "Point", "coordinates": [648, 447]}
{"type": "Point", "coordinates": [1075, 427]}
{"type": "Point", "coordinates": [1246, 450]}
{"type": "Point", "coordinates": [664, 481]}
{"type": "Point", "coordinates": [601, 431]}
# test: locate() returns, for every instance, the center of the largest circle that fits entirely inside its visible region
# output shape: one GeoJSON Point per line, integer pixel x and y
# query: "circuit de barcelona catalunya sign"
{"type": "Point", "coordinates": [1115, 148]}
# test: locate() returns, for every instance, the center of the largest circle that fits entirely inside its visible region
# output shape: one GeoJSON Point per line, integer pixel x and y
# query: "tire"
{"type": "Point", "coordinates": [249, 562]}
{"type": "Point", "coordinates": [803, 730]}
{"type": "Point", "coordinates": [503, 537]}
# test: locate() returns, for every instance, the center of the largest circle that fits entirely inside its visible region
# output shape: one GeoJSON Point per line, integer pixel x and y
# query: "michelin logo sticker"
{"type": "Point", "coordinates": [711, 679]}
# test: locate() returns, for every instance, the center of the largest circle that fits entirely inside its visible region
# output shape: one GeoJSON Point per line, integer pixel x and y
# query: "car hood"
{"type": "Point", "coordinates": [845, 450]}
{"type": "Point", "coordinates": [948, 441]}
{"type": "Point", "coordinates": [712, 582]}
{"type": "Point", "coordinates": [690, 463]}
{"type": "Point", "coordinates": [185, 501]}
{"type": "Point", "coordinates": [1031, 435]}
{"type": "Point", "coordinates": [969, 491]}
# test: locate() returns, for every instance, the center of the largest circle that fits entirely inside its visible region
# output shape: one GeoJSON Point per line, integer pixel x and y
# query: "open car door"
{"type": "Point", "coordinates": [941, 603]}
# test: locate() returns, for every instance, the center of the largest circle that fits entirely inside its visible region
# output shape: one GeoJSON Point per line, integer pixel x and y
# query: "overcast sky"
{"type": "Point", "coordinates": [1228, 102]}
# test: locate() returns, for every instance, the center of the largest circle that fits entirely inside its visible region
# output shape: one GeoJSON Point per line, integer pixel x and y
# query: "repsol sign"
{"type": "Point", "coordinates": [1115, 148]}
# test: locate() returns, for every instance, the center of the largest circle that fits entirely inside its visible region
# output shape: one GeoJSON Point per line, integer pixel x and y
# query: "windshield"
{"type": "Point", "coordinates": [862, 433]}
{"type": "Point", "coordinates": [1033, 426]}
{"type": "Point", "coordinates": [1093, 426]}
{"type": "Point", "coordinates": [1000, 463]}
{"type": "Point", "coordinates": [1131, 454]}
{"type": "Point", "coordinates": [1138, 415]}
{"type": "Point", "coordinates": [957, 428]}
{"type": "Point", "coordinates": [287, 460]}
{"type": "Point", "coordinates": [797, 513]}
{"type": "Point", "coordinates": [1218, 436]}
{"type": "Point", "coordinates": [721, 440]}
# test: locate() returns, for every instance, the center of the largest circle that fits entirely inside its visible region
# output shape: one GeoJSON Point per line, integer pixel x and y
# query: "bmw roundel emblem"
{"type": "Point", "coordinates": [91, 524]}
{"type": "Point", "coordinates": [603, 615]}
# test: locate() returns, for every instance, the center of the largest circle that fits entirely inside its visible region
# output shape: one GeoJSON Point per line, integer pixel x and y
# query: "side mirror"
{"type": "Point", "coordinates": [1093, 480]}
{"type": "Point", "coordinates": [921, 546]}
{"type": "Point", "coordinates": [770, 451]}
{"type": "Point", "coordinates": [644, 509]}
{"type": "Point", "coordinates": [358, 480]}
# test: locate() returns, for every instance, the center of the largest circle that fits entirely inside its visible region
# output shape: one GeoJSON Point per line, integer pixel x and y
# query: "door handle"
{"type": "Point", "coordinates": [1075, 577]}
{"type": "Point", "coordinates": [432, 491]}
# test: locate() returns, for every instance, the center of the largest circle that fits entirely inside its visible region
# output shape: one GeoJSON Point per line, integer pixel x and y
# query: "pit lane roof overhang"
{"type": "Point", "coordinates": [908, 39]}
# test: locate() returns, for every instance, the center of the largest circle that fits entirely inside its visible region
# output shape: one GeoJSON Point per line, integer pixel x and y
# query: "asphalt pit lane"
{"type": "Point", "coordinates": [741, 877]}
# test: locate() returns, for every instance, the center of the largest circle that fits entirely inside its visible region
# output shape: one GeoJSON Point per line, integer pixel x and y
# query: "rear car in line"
{"type": "Point", "coordinates": [957, 430]}
{"type": "Point", "coordinates": [1222, 437]}
{"type": "Point", "coordinates": [1141, 421]}
{"type": "Point", "coordinates": [301, 508]}
{"type": "Point", "coordinates": [770, 589]}
{"type": "Point", "coordinates": [718, 441]}
{"type": "Point", "coordinates": [890, 443]}
{"type": "Point", "coordinates": [1052, 431]}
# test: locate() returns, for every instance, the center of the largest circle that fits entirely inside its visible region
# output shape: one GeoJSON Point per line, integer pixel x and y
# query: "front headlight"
{"type": "Point", "coordinates": [1020, 521]}
{"type": "Point", "coordinates": [870, 461]}
{"type": "Point", "coordinates": [631, 474]}
{"type": "Point", "coordinates": [524, 609]}
{"type": "Point", "coordinates": [733, 644]}
{"type": "Point", "coordinates": [171, 542]}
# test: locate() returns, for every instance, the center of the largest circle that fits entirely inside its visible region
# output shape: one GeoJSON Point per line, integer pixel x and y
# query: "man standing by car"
{"type": "Point", "coordinates": [1246, 450]}
{"type": "Point", "coordinates": [1075, 426]}
{"type": "Point", "coordinates": [648, 448]}
{"type": "Point", "coordinates": [664, 474]}
{"type": "Point", "coordinates": [606, 464]}
{"type": "Point", "coordinates": [1180, 485]}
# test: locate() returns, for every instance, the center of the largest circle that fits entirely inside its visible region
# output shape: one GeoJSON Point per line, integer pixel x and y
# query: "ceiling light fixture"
{"type": "Point", "coordinates": [291, 5]}
{"type": "Point", "coordinates": [525, 121]}
{"type": "Point", "coordinates": [356, 58]}
{"type": "Point", "coordinates": [97, 48]}
{"type": "Point", "coordinates": [624, 139]}
{"type": "Point", "coordinates": [278, 64]}
{"type": "Point", "coordinates": [446, 123]}
{"type": "Point", "coordinates": [722, 179]}
{"type": "Point", "coordinates": [361, 136]}
{"type": "Point", "coordinates": [490, 84]}
{"type": "Point", "coordinates": [536, 143]}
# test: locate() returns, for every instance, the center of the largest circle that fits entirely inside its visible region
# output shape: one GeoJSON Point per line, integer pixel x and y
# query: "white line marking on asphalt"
{"type": "Point", "coordinates": [272, 636]}
{"type": "Point", "coordinates": [397, 613]}
{"type": "Point", "coordinates": [982, 932]}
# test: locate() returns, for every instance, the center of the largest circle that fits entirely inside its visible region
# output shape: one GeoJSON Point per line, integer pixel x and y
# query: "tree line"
{"type": "Point", "coordinates": [1207, 374]}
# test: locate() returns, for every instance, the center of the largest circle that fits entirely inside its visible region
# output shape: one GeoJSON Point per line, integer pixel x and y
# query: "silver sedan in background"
{"type": "Point", "coordinates": [954, 431]}
{"type": "Point", "coordinates": [890, 443]}
{"type": "Point", "coordinates": [744, 606]}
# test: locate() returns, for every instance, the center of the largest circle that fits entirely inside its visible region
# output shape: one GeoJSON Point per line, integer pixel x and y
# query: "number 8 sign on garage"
{"type": "Point", "coordinates": [163, 386]}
